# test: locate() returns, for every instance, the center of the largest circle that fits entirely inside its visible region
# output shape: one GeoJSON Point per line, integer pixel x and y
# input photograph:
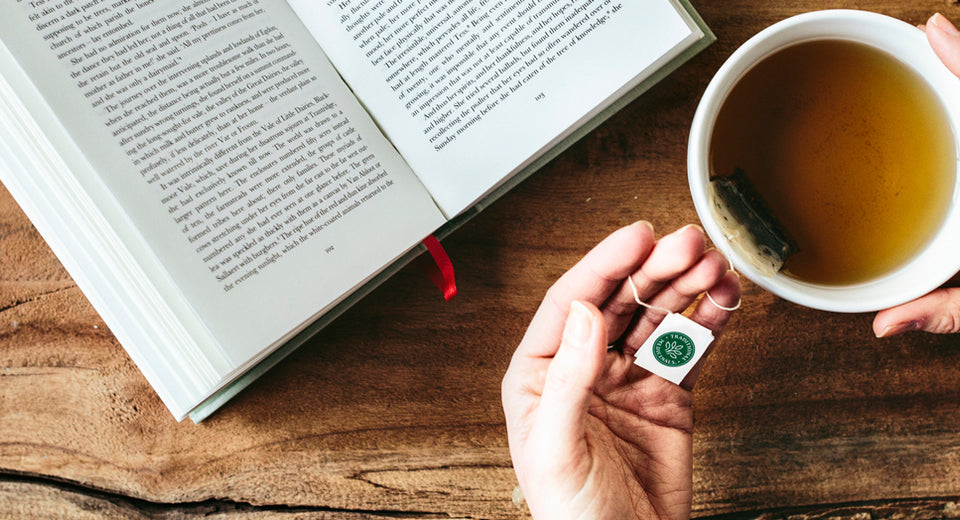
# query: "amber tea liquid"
{"type": "Point", "coordinates": [850, 149]}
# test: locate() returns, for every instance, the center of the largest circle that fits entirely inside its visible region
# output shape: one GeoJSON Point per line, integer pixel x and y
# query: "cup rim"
{"type": "Point", "coordinates": [929, 268]}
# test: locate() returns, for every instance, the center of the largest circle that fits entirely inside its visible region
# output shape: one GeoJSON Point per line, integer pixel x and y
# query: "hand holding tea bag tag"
{"type": "Point", "coordinates": [585, 424]}
{"type": "Point", "coordinates": [939, 311]}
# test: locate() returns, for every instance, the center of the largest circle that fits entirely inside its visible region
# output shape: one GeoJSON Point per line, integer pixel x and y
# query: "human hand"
{"type": "Point", "coordinates": [592, 435]}
{"type": "Point", "coordinates": [938, 311]}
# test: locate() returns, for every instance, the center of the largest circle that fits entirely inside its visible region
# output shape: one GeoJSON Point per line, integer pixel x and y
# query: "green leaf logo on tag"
{"type": "Point", "coordinates": [673, 349]}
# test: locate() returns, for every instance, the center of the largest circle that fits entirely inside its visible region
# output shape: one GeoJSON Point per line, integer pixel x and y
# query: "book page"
{"type": "Point", "coordinates": [224, 135]}
{"type": "Point", "coordinates": [470, 90]}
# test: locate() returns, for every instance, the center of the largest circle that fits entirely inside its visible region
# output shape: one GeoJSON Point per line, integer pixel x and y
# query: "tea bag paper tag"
{"type": "Point", "coordinates": [674, 348]}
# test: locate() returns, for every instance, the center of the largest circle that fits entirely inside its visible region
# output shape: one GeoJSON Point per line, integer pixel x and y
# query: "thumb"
{"type": "Point", "coordinates": [937, 312]}
{"type": "Point", "coordinates": [945, 40]}
{"type": "Point", "coordinates": [572, 375]}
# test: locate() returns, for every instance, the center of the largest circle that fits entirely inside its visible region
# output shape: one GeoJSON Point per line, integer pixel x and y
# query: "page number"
{"type": "Point", "coordinates": [541, 96]}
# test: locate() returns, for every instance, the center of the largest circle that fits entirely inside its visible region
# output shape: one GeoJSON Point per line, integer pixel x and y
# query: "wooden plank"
{"type": "Point", "coordinates": [38, 500]}
{"type": "Point", "coordinates": [44, 500]}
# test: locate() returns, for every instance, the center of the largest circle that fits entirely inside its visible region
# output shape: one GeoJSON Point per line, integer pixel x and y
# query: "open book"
{"type": "Point", "coordinates": [223, 177]}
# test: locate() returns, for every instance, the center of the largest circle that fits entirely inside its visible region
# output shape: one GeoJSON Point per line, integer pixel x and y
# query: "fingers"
{"type": "Point", "coordinates": [937, 312]}
{"type": "Point", "coordinates": [592, 280]}
{"type": "Point", "coordinates": [684, 289]}
{"type": "Point", "coordinates": [726, 293]}
{"type": "Point", "coordinates": [944, 38]}
{"type": "Point", "coordinates": [679, 293]}
{"type": "Point", "coordinates": [572, 375]}
{"type": "Point", "coordinates": [672, 255]}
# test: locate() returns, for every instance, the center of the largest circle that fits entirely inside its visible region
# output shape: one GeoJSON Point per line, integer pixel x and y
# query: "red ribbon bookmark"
{"type": "Point", "coordinates": [441, 271]}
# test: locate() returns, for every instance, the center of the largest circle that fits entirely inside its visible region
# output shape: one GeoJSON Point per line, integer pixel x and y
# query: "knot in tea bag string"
{"type": "Point", "coordinates": [636, 298]}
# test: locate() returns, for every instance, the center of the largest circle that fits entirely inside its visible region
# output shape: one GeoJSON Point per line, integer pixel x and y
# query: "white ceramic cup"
{"type": "Point", "coordinates": [929, 268]}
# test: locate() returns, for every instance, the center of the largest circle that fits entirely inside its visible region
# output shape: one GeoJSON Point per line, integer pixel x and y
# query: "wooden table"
{"type": "Point", "coordinates": [394, 410]}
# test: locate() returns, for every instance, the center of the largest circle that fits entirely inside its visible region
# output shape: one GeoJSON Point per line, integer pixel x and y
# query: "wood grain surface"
{"type": "Point", "coordinates": [394, 410]}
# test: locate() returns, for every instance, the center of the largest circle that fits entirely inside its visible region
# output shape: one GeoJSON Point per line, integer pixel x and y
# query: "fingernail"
{"type": "Point", "coordinates": [898, 328]}
{"type": "Point", "coordinates": [688, 226]}
{"type": "Point", "coordinates": [941, 22]}
{"type": "Point", "coordinates": [579, 324]}
{"type": "Point", "coordinates": [645, 223]}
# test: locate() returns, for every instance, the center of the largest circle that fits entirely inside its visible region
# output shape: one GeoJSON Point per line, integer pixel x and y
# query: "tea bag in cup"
{"type": "Point", "coordinates": [748, 224]}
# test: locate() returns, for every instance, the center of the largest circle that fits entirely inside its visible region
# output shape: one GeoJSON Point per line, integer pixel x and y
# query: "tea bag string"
{"type": "Point", "coordinates": [721, 307]}
{"type": "Point", "coordinates": [730, 238]}
{"type": "Point", "coordinates": [636, 298]}
{"type": "Point", "coordinates": [732, 268]}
